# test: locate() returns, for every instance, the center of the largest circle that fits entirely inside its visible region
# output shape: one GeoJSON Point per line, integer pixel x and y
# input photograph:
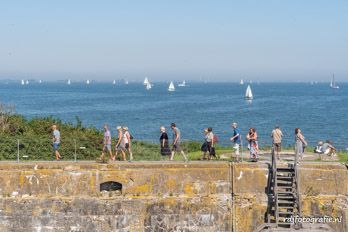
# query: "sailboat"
{"type": "Point", "coordinates": [333, 83]}
{"type": "Point", "coordinates": [171, 87]}
{"type": "Point", "coordinates": [40, 81]}
{"type": "Point", "coordinates": [87, 82]}
{"type": "Point", "coordinates": [126, 82]}
{"type": "Point", "coordinates": [248, 93]}
{"type": "Point", "coordinates": [242, 82]}
{"type": "Point", "coordinates": [148, 86]}
{"type": "Point", "coordinates": [22, 83]}
{"type": "Point", "coordinates": [69, 82]}
{"type": "Point", "coordinates": [182, 84]}
{"type": "Point", "coordinates": [146, 81]}
{"type": "Point", "coordinates": [114, 82]}
{"type": "Point", "coordinates": [27, 82]}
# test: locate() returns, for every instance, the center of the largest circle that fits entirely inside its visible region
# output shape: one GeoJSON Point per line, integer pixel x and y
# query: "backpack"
{"type": "Point", "coordinates": [215, 139]}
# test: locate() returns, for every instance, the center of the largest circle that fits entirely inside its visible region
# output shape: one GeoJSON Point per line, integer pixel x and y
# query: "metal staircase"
{"type": "Point", "coordinates": [284, 200]}
{"type": "Point", "coordinates": [287, 202]}
{"type": "Point", "coordinates": [284, 197]}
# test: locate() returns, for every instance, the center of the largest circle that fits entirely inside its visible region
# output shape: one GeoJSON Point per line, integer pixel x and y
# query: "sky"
{"type": "Point", "coordinates": [184, 39]}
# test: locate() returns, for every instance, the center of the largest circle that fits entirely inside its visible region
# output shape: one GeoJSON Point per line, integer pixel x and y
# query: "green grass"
{"type": "Point", "coordinates": [34, 137]}
{"type": "Point", "coordinates": [343, 156]}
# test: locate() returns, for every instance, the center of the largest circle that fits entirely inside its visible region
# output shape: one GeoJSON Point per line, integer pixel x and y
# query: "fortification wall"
{"type": "Point", "coordinates": [198, 196]}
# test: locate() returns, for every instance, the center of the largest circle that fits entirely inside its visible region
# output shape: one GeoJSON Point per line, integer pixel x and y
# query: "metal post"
{"type": "Point", "coordinates": [75, 150]}
{"type": "Point", "coordinates": [17, 150]}
{"type": "Point", "coordinates": [241, 147]}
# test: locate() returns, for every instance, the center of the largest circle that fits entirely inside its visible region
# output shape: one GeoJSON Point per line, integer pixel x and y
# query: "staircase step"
{"type": "Point", "coordinates": [290, 196]}
{"type": "Point", "coordinates": [286, 213]}
{"type": "Point", "coordinates": [284, 187]}
{"type": "Point", "coordinates": [284, 181]}
{"type": "Point", "coordinates": [283, 224]}
{"type": "Point", "coordinates": [287, 176]}
{"type": "Point", "coordinates": [284, 201]}
{"type": "Point", "coordinates": [284, 184]}
{"type": "Point", "coordinates": [285, 207]}
{"type": "Point", "coordinates": [286, 197]}
{"type": "Point", "coordinates": [285, 170]}
{"type": "Point", "coordinates": [284, 192]}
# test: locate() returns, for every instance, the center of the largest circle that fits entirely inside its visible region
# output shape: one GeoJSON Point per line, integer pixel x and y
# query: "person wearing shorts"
{"type": "Point", "coordinates": [106, 143]}
{"type": "Point", "coordinates": [128, 142]}
{"type": "Point", "coordinates": [176, 142]}
{"type": "Point", "coordinates": [277, 135]}
{"type": "Point", "coordinates": [120, 145]}
{"type": "Point", "coordinates": [56, 142]}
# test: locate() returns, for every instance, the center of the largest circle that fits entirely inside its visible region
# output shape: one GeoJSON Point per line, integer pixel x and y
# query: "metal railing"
{"type": "Point", "coordinates": [298, 193]}
{"type": "Point", "coordinates": [75, 149]}
{"type": "Point", "coordinates": [275, 185]}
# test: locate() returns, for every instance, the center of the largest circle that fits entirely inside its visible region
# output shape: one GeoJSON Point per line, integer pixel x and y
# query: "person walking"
{"type": "Point", "coordinates": [106, 144]}
{"type": "Point", "coordinates": [300, 143]}
{"type": "Point", "coordinates": [120, 144]}
{"type": "Point", "coordinates": [176, 142]}
{"type": "Point", "coordinates": [204, 147]}
{"type": "Point", "coordinates": [128, 142]}
{"type": "Point", "coordinates": [236, 139]}
{"type": "Point", "coordinates": [253, 145]}
{"type": "Point", "coordinates": [56, 141]}
{"type": "Point", "coordinates": [164, 142]}
{"type": "Point", "coordinates": [277, 136]}
{"type": "Point", "coordinates": [208, 144]}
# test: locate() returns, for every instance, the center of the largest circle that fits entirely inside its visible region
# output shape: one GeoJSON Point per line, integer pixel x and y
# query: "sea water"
{"type": "Point", "coordinates": [321, 112]}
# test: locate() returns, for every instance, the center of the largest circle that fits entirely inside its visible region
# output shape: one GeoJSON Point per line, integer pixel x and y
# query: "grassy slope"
{"type": "Point", "coordinates": [34, 138]}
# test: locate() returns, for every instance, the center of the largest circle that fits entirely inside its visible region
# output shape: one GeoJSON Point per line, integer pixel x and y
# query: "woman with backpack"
{"type": "Point", "coordinates": [208, 145]}
{"type": "Point", "coordinates": [128, 142]}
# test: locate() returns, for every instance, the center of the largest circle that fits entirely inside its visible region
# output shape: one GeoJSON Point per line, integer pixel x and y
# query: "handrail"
{"type": "Point", "coordinates": [275, 188]}
{"type": "Point", "coordinates": [298, 194]}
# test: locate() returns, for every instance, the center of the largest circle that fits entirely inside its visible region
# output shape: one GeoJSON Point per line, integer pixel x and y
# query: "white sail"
{"type": "Point", "coordinates": [69, 82]}
{"type": "Point", "coordinates": [182, 84]}
{"type": "Point", "coordinates": [87, 82]}
{"type": "Point", "coordinates": [27, 82]}
{"type": "Point", "coordinates": [126, 82]}
{"type": "Point", "coordinates": [40, 81]}
{"type": "Point", "coordinates": [22, 82]}
{"type": "Point", "coordinates": [333, 83]}
{"type": "Point", "coordinates": [114, 82]}
{"type": "Point", "coordinates": [248, 93]}
{"type": "Point", "coordinates": [148, 86]}
{"type": "Point", "coordinates": [242, 82]}
{"type": "Point", "coordinates": [171, 87]}
{"type": "Point", "coordinates": [146, 81]}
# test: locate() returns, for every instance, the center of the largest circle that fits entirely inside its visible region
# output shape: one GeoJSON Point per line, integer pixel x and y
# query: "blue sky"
{"type": "Point", "coordinates": [225, 40]}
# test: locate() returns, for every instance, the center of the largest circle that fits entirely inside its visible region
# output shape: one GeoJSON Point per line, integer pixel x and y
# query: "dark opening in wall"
{"type": "Point", "coordinates": [110, 186]}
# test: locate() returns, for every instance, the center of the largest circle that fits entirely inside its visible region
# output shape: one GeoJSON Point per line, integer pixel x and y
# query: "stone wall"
{"type": "Point", "coordinates": [199, 196]}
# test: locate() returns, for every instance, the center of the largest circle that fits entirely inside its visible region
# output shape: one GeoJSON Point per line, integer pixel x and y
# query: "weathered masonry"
{"type": "Point", "coordinates": [154, 196]}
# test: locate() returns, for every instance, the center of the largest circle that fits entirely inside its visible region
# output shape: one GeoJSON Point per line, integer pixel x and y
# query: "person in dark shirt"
{"type": "Point", "coordinates": [164, 141]}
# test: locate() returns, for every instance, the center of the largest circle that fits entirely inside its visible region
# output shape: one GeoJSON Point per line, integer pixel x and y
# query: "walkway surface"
{"type": "Point", "coordinates": [265, 156]}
